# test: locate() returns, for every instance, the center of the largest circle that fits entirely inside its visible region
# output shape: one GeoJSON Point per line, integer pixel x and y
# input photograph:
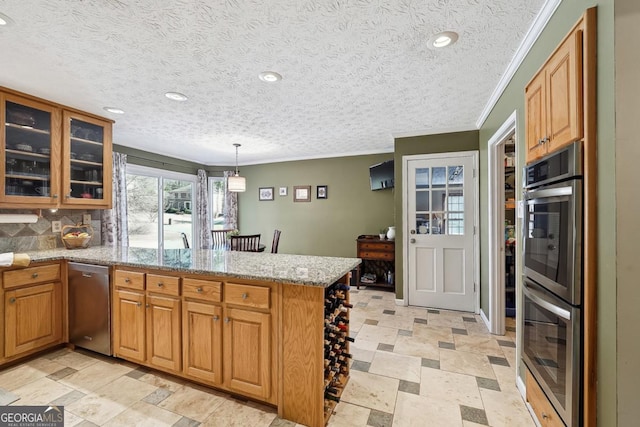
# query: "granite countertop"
{"type": "Point", "coordinates": [279, 268]}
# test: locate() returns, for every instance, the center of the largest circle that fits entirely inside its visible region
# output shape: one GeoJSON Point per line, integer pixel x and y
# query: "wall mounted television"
{"type": "Point", "coordinates": [381, 175]}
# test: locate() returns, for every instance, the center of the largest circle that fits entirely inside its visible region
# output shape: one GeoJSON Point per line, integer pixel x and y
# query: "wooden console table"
{"type": "Point", "coordinates": [378, 257]}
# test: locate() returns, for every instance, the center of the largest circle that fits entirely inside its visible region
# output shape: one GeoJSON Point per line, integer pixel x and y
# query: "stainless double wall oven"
{"type": "Point", "coordinates": [552, 283]}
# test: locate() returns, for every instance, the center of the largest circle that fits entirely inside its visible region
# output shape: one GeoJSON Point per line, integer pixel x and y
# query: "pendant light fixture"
{"type": "Point", "coordinates": [236, 183]}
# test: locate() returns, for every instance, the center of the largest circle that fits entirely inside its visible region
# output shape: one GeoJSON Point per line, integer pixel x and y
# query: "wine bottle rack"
{"type": "Point", "coordinates": [337, 357]}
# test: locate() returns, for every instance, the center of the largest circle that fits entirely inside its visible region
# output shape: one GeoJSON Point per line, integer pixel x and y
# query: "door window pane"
{"type": "Point", "coordinates": [422, 201]}
{"type": "Point", "coordinates": [422, 223]}
{"type": "Point", "coordinates": [216, 196]}
{"type": "Point", "coordinates": [456, 176]}
{"type": "Point", "coordinates": [177, 202]}
{"type": "Point", "coordinates": [143, 212]}
{"type": "Point", "coordinates": [422, 178]}
{"type": "Point", "coordinates": [437, 223]}
{"type": "Point", "coordinates": [437, 202]}
{"type": "Point", "coordinates": [438, 179]}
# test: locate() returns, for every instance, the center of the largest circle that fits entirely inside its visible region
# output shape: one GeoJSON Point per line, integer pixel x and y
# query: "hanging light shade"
{"type": "Point", "coordinates": [236, 183]}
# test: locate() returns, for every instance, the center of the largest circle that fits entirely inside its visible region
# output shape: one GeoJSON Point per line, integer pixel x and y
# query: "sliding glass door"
{"type": "Point", "coordinates": [160, 208]}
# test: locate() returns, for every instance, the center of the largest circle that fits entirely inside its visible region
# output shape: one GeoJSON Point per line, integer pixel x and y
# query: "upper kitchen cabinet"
{"type": "Point", "coordinates": [554, 101]}
{"type": "Point", "coordinates": [30, 150]}
{"type": "Point", "coordinates": [52, 157]}
{"type": "Point", "coordinates": [86, 159]}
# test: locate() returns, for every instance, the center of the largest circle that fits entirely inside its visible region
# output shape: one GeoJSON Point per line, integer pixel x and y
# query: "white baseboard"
{"type": "Point", "coordinates": [522, 388]}
{"type": "Point", "coordinates": [400, 302]}
{"type": "Point", "coordinates": [485, 319]}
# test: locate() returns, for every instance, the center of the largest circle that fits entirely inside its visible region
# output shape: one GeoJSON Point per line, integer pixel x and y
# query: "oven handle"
{"type": "Point", "coordinates": [549, 192]}
{"type": "Point", "coordinates": [539, 299]}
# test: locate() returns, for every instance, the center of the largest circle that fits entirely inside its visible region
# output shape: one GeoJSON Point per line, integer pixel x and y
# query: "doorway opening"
{"type": "Point", "coordinates": [502, 183]}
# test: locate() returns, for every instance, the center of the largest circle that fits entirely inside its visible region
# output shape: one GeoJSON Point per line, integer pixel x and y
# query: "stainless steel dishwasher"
{"type": "Point", "coordinates": [89, 307]}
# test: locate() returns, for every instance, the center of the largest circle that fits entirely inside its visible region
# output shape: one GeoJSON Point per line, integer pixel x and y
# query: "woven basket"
{"type": "Point", "coordinates": [76, 236]}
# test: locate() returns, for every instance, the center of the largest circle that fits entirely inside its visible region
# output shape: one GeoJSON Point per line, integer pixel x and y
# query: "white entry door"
{"type": "Point", "coordinates": [439, 235]}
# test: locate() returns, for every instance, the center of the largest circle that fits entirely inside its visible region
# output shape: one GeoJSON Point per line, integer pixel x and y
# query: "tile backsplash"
{"type": "Point", "coordinates": [37, 236]}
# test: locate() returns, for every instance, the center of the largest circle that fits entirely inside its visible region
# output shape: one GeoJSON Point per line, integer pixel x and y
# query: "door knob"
{"type": "Point", "coordinates": [216, 317]}
{"type": "Point", "coordinates": [139, 304]}
{"type": "Point", "coordinates": [160, 284]}
{"type": "Point", "coordinates": [245, 295]}
{"type": "Point", "coordinates": [226, 320]}
{"type": "Point", "coordinates": [199, 290]}
{"type": "Point", "coordinates": [412, 240]}
{"type": "Point", "coordinates": [12, 300]}
{"type": "Point", "coordinates": [34, 275]}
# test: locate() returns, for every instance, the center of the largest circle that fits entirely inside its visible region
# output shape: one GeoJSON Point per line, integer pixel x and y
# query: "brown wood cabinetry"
{"type": "Point", "coordinates": [554, 101]}
{"type": "Point", "coordinates": [547, 416]}
{"type": "Point", "coordinates": [32, 306]}
{"type": "Point", "coordinates": [378, 257]}
{"type": "Point", "coordinates": [147, 326]}
{"type": "Point", "coordinates": [202, 341]}
{"type": "Point", "coordinates": [194, 332]}
{"type": "Point", "coordinates": [52, 156]}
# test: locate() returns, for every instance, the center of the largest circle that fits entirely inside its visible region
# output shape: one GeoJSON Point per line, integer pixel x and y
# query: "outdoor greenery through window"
{"type": "Point", "coordinates": [216, 203]}
{"type": "Point", "coordinates": [160, 207]}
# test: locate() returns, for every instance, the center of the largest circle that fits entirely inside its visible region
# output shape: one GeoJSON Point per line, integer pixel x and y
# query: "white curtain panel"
{"type": "Point", "coordinates": [230, 203]}
{"type": "Point", "coordinates": [114, 220]}
{"type": "Point", "coordinates": [202, 211]}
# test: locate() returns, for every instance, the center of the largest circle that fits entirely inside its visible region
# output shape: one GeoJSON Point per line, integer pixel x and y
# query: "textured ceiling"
{"type": "Point", "coordinates": [355, 71]}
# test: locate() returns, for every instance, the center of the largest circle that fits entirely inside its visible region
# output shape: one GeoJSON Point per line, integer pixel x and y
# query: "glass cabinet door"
{"type": "Point", "coordinates": [86, 160]}
{"type": "Point", "coordinates": [30, 132]}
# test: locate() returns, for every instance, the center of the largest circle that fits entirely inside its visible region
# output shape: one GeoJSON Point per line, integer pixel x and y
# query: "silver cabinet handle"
{"type": "Point", "coordinates": [160, 284]}
{"type": "Point", "coordinates": [55, 196]}
{"type": "Point", "coordinates": [245, 295]}
{"type": "Point", "coordinates": [138, 304]}
{"type": "Point", "coordinates": [199, 290]}
{"type": "Point", "coordinates": [216, 318]}
{"type": "Point", "coordinates": [147, 305]}
{"type": "Point", "coordinates": [127, 280]}
{"type": "Point", "coordinates": [34, 275]}
{"type": "Point", "coordinates": [227, 320]}
{"type": "Point", "coordinates": [12, 300]}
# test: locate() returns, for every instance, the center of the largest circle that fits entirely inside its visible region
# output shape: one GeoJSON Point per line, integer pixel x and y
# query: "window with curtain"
{"type": "Point", "coordinates": [160, 206]}
{"type": "Point", "coordinates": [216, 203]}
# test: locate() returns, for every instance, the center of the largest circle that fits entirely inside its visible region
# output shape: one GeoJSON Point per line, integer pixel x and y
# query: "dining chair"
{"type": "Point", "coordinates": [185, 240]}
{"type": "Point", "coordinates": [276, 240]}
{"type": "Point", "coordinates": [219, 237]}
{"type": "Point", "coordinates": [246, 243]}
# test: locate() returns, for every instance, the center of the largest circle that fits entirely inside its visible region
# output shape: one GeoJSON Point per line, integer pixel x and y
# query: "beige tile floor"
{"type": "Point", "coordinates": [411, 367]}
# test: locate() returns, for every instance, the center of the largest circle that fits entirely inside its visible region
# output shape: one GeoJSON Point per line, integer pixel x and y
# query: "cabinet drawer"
{"type": "Point", "coordinates": [387, 256]}
{"type": "Point", "coordinates": [247, 295]}
{"type": "Point", "coordinates": [168, 285]}
{"type": "Point", "coordinates": [31, 275]}
{"type": "Point", "coordinates": [546, 414]}
{"type": "Point", "coordinates": [202, 289]}
{"type": "Point", "coordinates": [129, 279]}
{"type": "Point", "coordinates": [376, 246]}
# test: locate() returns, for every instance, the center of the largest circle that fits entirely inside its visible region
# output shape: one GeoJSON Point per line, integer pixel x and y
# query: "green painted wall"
{"type": "Point", "coordinates": [426, 144]}
{"type": "Point", "coordinates": [627, 56]}
{"type": "Point", "coordinates": [513, 99]}
{"type": "Point", "coordinates": [321, 227]}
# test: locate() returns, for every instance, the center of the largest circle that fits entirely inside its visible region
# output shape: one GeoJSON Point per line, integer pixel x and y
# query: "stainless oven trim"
{"type": "Point", "coordinates": [571, 414]}
{"type": "Point", "coordinates": [574, 167]}
{"type": "Point", "coordinates": [564, 191]}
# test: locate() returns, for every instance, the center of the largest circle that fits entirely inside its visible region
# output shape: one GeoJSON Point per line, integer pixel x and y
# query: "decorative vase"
{"type": "Point", "coordinates": [382, 236]}
{"type": "Point", "coordinates": [391, 233]}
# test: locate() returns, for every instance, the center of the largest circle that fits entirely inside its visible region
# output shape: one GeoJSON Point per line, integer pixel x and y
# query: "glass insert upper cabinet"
{"type": "Point", "coordinates": [30, 150]}
{"type": "Point", "coordinates": [86, 160]}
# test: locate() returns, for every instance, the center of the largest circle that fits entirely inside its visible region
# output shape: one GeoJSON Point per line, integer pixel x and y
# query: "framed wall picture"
{"type": "Point", "coordinates": [265, 193]}
{"type": "Point", "coordinates": [283, 191]}
{"type": "Point", "coordinates": [321, 192]}
{"type": "Point", "coordinates": [301, 193]}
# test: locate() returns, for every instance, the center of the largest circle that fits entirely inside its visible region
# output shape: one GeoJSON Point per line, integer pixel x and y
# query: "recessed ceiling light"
{"type": "Point", "coordinates": [443, 39]}
{"type": "Point", "coordinates": [113, 110]}
{"type": "Point", "coordinates": [5, 20]}
{"type": "Point", "coordinates": [269, 76]}
{"type": "Point", "coordinates": [176, 96]}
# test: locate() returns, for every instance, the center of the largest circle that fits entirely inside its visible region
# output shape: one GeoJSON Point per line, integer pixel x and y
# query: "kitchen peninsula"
{"type": "Point", "coordinates": [251, 324]}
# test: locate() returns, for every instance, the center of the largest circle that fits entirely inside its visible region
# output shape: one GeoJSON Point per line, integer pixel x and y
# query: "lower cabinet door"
{"type": "Point", "coordinates": [202, 341]}
{"type": "Point", "coordinates": [164, 333]}
{"type": "Point", "coordinates": [129, 325]}
{"type": "Point", "coordinates": [33, 318]}
{"type": "Point", "coordinates": [247, 349]}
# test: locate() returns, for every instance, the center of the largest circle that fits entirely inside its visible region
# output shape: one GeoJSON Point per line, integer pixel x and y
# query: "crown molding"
{"type": "Point", "coordinates": [539, 24]}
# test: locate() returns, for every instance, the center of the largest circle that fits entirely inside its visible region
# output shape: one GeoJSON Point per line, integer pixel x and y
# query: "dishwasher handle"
{"type": "Point", "coordinates": [86, 274]}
